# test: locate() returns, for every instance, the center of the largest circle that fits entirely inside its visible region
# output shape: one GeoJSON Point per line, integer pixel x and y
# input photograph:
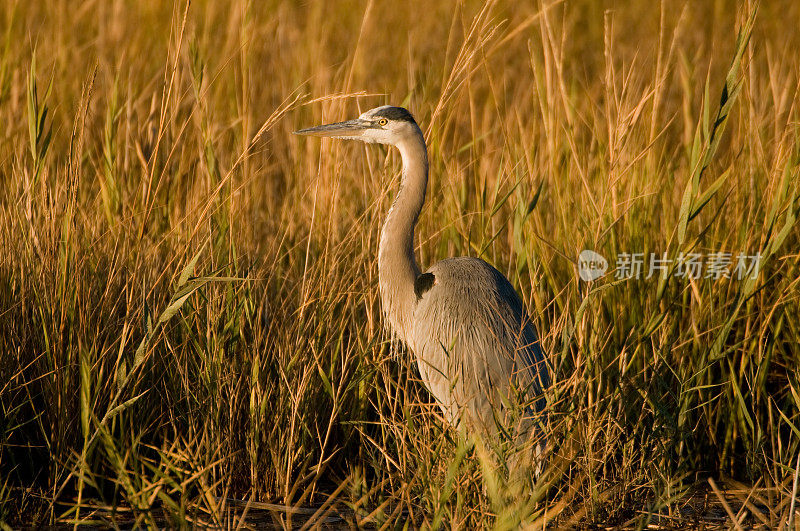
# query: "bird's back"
{"type": "Point", "coordinates": [475, 346]}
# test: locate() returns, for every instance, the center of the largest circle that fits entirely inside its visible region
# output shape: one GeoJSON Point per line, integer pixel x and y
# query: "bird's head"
{"type": "Point", "coordinates": [381, 125]}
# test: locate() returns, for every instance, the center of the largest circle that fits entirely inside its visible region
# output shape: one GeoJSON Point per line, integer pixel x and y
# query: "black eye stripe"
{"type": "Point", "coordinates": [398, 114]}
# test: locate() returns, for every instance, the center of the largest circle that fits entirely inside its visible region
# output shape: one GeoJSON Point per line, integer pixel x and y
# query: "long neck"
{"type": "Point", "coordinates": [397, 268]}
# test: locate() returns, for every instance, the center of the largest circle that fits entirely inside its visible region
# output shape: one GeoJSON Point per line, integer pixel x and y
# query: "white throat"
{"type": "Point", "coordinates": [397, 268]}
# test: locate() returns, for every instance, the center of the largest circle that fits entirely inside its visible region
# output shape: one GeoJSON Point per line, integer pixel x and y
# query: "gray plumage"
{"type": "Point", "coordinates": [474, 343]}
{"type": "Point", "coordinates": [475, 347]}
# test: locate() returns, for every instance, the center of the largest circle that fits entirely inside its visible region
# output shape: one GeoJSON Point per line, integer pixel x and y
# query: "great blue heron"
{"type": "Point", "coordinates": [475, 347]}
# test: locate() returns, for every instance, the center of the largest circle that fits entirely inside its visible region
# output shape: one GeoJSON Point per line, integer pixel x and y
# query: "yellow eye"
{"type": "Point", "coordinates": [383, 121]}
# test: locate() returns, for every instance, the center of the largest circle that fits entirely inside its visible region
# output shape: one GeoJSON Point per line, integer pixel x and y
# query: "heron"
{"type": "Point", "coordinates": [474, 344]}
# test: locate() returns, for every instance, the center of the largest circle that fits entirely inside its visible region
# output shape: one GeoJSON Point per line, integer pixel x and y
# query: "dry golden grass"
{"type": "Point", "coordinates": [188, 293]}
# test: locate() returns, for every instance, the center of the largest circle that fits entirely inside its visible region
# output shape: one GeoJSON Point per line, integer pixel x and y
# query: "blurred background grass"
{"type": "Point", "coordinates": [188, 293]}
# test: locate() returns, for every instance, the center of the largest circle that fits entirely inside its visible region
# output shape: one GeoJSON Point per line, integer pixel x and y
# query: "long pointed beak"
{"type": "Point", "coordinates": [348, 129]}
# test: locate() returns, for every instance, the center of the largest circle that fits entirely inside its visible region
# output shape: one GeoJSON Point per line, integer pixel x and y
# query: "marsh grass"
{"type": "Point", "coordinates": [189, 322]}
